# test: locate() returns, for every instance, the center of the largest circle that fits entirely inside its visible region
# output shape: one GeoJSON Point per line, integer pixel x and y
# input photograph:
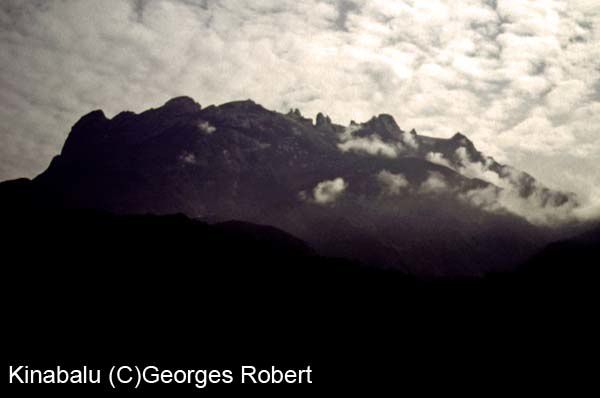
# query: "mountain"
{"type": "Point", "coordinates": [369, 191]}
{"type": "Point", "coordinates": [89, 284]}
{"type": "Point", "coordinates": [97, 264]}
{"type": "Point", "coordinates": [572, 263]}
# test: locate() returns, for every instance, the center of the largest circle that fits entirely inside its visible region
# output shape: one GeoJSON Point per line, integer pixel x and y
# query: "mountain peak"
{"type": "Point", "coordinates": [386, 118]}
{"type": "Point", "coordinates": [323, 122]}
{"type": "Point", "coordinates": [242, 106]}
{"type": "Point", "coordinates": [182, 104]}
{"type": "Point", "coordinates": [459, 137]}
{"type": "Point", "coordinates": [242, 103]}
{"type": "Point", "coordinates": [92, 117]}
{"type": "Point", "coordinates": [297, 115]}
{"type": "Point", "coordinates": [88, 129]}
{"type": "Point", "coordinates": [383, 125]}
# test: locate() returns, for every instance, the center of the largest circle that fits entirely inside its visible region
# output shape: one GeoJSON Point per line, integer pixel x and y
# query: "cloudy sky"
{"type": "Point", "coordinates": [520, 78]}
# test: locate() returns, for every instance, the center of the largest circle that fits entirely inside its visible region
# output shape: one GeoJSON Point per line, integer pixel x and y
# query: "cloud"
{"type": "Point", "coordinates": [434, 184]}
{"type": "Point", "coordinates": [482, 171]}
{"type": "Point", "coordinates": [392, 184]}
{"type": "Point", "coordinates": [206, 128]}
{"type": "Point", "coordinates": [373, 145]}
{"type": "Point", "coordinates": [534, 208]}
{"type": "Point", "coordinates": [537, 134]}
{"type": "Point", "coordinates": [462, 164]}
{"type": "Point", "coordinates": [520, 78]}
{"type": "Point", "coordinates": [565, 97]}
{"type": "Point", "coordinates": [410, 141]}
{"type": "Point", "coordinates": [327, 192]}
{"type": "Point", "coordinates": [590, 211]}
{"type": "Point", "coordinates": [187, 157]}
{"type": "Point", "coordinates": [512, 191]}
{"type": "Point", "coordinates": [439, 159]}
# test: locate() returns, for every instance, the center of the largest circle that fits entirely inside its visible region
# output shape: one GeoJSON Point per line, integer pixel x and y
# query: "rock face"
{"type": "Point", "coordinates": [369, 191]}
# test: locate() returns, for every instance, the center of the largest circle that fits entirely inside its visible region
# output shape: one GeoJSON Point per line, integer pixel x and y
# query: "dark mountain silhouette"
{"type": "Point", "coordinates": [199, 237]}
{"type": "Point", "coordinates": [83, 283]}
{"type": "Point", "coordinates": [370, 191]}
{"type": "Point", "coordinates": [571, 263]}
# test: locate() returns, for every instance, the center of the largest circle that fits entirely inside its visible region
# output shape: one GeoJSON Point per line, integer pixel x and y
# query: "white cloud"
{"type": "Point", "coordinates": [410, 141]}
{"type": "Point", "coordinates": [566, 97]}
{"type": "Point", "coordinates": [471, 169]}
{"type": "Point", "coordinates": [538, 134]}
{"type": "Point", "coordinates": [187, 157]}
{"type": "Point", "coordinates": [439, 159]}
{"type": "Point", "coordinates": [434, 184]}
{"type": "Point", "coordinates": [373, 145]}
{"type": "Point", "coordinates": [591, 209]}
{"type": "Point", "coordinates": [533, 208]}
{"type": "Point", "coordinates": [206, 128]}
{"type": "Point", "coordinates": [392, 184]}
{"type": "Point", "coordinates": [464, 165]}
{"type": "Point", "coordinates": [505, 193]}
{"type": "Point", "coordinates": [327, 192]}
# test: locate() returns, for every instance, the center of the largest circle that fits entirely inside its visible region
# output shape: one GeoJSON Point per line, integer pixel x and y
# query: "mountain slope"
{"type": "Point", "coordinates": [572, 263]}
{"type": "Point", "coordinates": [368, 191]}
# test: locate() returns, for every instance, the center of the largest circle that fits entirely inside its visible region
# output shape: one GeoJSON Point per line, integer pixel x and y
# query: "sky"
{"type": "Point", "coordinates": [520, 78]}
